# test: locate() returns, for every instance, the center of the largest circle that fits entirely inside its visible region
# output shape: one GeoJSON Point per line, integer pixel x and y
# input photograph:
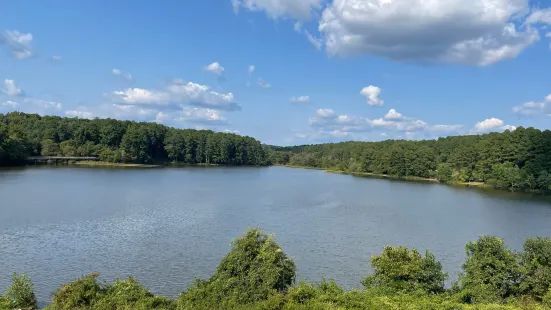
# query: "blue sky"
{"type": "Point", "coordinates": [324, 70]}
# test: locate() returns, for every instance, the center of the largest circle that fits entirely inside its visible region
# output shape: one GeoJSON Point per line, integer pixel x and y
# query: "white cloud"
{"type": "Point", "coordinates": [216, 68]}
{"type": "Point", "coordinates": [201, 115]}
{"type": "Point", "coordinates": [11, 90]}
{"type": "Point", "coordinates": [372, 94]}
{"type": "Point", "coordinates": [393, 115]}
{"type": "Point", "coordinates": [316, 42]}
{"type": "Point", "coordinates": [138, 96]}
{"type": "Point", "coordinates": [56, 59]}
{"type": "Point", "coordinates": [328, 121]}
{"type": "Point", "coordinates": [445, 128]}
{"type": "Point", "coordinates": [235, 132]}
{"type": "Point", "coordinates": [79, 114]}
{"type": "Point", "coordinates": [262, 83]}
{"type": "Point", "coordinates": [532, 108]}
{"type": "Point", "coordinates": [492, 124]}
{"type": "Point", "coordinates": [297, 26]}
{"type": "Point", "coordinates": [125, 75]}
{"type": "Point", "coordinates": [44, 104]}
{"type": "Point", "coordinates": [325, 113]}
{"type": "Point", "coordinates": [296, 9]}
{"type": "Point", "coordinates": [175, 94]}
{"type": "Point", "coordinates": [251, 69]}
{"type": "Point", "coordinates": [19, 44]}
{"type": "Point", "coordinates": [301, 99]}
{"type": "Point", "coordinates": [9, 104]}
{"type": "Point", "coordinates": [539, 16]}
{"type": "Point", "coordinates": [477, 32]}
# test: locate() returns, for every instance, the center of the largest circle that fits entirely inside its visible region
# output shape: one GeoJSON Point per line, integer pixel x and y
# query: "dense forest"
{"type": "Point", "coordinates": [257, 274]}
{"type": "Point", "coordinates": [519, 159]}
{"type": "Point", "coordinates": [23, 135]}
{"type": "Point", "coordinates": [513, 159]}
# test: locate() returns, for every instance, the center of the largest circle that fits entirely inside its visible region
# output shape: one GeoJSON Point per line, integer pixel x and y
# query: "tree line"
{"type": "Point", "coordinates": [257, 274]}
{"type": "Point", "coordinates": [23, 135]}
{"type": "Point", "coordinates": [519, 159]}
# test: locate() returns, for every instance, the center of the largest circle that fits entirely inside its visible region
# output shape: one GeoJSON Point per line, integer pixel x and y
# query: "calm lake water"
{"type": "Point", "coordinates": [167, 226]}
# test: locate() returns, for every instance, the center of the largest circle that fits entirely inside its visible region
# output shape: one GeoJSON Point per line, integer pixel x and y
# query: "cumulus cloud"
{"type": "Point", "coordinates": [533, 108]}
{"type": "Point", "coordinates": [42, 104]}
{"type": "Point", "coordinates": [235, 132]}
{"type": "Point", "coordinates": [295, 9]}
{"type": "Point", "coordinates": [328, 121]}
{"type": "Point", "coordinates": [491, 125]}
{"type": "Point", "coordinates": [251, 69]}
{"type": "Point", "coordinates": [262, 83]}
{"type": "Point", "coordinates": [540, 16]}
{"type": "Point", "coordinates": [393, 115]}
{"type": "Point", "coordinates": [56, 59]}
{"type": "Point", "coordinates": [177, 93]}
{"type": "Point", "coordinates": [18, 43]}
{"type": "Point", "coordinates": [300, 99]}
{"type": "Point", "coordinates": [316, 42]}
{"type": "Point", "coordinates": [201, 115]}
{"type": "Point", "coordinates": [79, 113]}
{"type": "Point", "coordinates": [125, 75]}
{"type": "Point", "coordinates": [9, 104]}
{"type": "Point", "coordinates": [216, 68]}
{"type": "Point", "coordinates": [478, 32]}
{"type": "Point", "coordinates": [372, 94]}
{"type": "Point", "coordinates": [11, 90]}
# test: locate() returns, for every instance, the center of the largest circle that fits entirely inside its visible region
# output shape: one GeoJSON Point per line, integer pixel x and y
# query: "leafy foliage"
{"type": "Point", "coordinates": [21, 292]}
{"type": "Point", "coordinates": [23, 135]}
{"type": "Point", "coordinates": [491, 270]}
{"type": "Point", "coordinates": [404, 270]}
{"type": "Point", "coordinates": [514, 159]}
{"type": "Point", "coordinates": [256, 274]}
{"type": "Point", "coordinates": [255, 268]}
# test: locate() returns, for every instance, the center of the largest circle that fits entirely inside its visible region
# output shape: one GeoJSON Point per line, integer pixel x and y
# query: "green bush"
{"type": "Point", "coordinates": [129, 295]}
{"type": "Point", "coordinates": [491, 270]}
{"type": "Point", "coordinates": [536, 267]}
{"type": "Point", "coordinates": [406, 270]}
{"type": "Point", "coordinates": [21, 292]}
{"type": "Point", "coordinates": [83, 293]}
{"type": "Point", "coordinates": [255, 269]}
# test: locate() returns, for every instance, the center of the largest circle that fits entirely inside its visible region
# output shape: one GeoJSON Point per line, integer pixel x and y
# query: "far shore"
{"type": "Point", "coordinates": [386, 176]}
{"type": "Point", "coordinates": [107, 164]}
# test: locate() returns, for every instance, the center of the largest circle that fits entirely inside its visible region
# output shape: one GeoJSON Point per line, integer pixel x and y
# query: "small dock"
{"type": "Point", "coordinates": [58, 159]}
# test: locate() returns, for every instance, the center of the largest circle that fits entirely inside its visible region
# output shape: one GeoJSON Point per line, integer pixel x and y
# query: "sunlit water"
{"type": "Point", "coordinates": [168, 226]}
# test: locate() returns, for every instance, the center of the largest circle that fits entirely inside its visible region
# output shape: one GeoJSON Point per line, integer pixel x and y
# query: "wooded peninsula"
{"type": "Point", "coordinates": [519, 159]}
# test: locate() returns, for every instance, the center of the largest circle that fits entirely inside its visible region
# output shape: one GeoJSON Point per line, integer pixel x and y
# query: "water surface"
{"type": "Point", "coordinates": [167, 226]}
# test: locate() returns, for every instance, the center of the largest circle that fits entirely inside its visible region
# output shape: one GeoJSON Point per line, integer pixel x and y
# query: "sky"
{"type": "Point", "coordinates": [286, 72]}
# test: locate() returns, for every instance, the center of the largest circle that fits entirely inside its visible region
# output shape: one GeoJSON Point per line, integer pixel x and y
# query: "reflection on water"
{"type": "Point", "coordinates": [167, 226]}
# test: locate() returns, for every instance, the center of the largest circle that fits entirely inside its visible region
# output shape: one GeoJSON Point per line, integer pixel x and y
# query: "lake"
{"type": "Point", "coordinates": [167, 226]}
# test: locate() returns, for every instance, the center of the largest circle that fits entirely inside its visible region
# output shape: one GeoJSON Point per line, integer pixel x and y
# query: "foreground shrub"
{"type": "Point", "coordinates": [80, 294]}
{"type": "Point", "coordinates": [491, 271]}
{"type": "Point", "coordinates": [129, 294]}
{"type": "Point", "coordinates": [406, 270]}
{"type": "Point", "coordinates": [536, 267]}
{"type": "Point", "coordinates": [255, 269]}
{"type": "Point", "coordinates": [21, 292]}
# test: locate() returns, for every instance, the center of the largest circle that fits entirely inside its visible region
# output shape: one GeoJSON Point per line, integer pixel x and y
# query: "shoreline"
{"type": "Point", "coordinates": [108, 164]}
{"type": "Point", "coordinates": [481, 185]}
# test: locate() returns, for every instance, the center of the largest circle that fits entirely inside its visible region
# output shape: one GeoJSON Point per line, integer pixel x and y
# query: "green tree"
{"type": "Point", "coordinates": [21, 292]}
{"type": "Point", "coordinates": [491, 269]}
{"type": "Point", "coordinates": [49, 148]}
{"type": "Point", "coordinates": [536, 263]}
{"type": "Point", "coordinates": [403, 269]}
{"type": "Point", "coordinates": [255, 268]}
